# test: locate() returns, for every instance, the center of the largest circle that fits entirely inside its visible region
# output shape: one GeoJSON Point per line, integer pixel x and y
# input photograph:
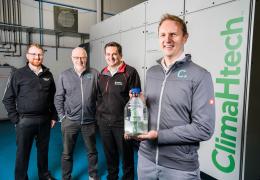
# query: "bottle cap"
{"type": "Point", "coordinates": [135, 90]}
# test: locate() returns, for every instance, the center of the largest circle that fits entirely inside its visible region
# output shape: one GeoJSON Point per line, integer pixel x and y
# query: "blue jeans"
{"type": "Point", "coordinates": [148, 170]}
{"type": "Point", "coordinates": [70, 131]}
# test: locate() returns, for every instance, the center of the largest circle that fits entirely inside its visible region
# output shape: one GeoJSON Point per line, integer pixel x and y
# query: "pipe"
{"type": "Point", "coordinates": [98, 11]}
{"type": "Point", "coordinates": [15, 16]}
{"type": "Point", "coordinates": [18, 7]}
{"type": "Point", "coordinates": [41, 21]}
{"type": "Point", "coordinates": [17, 35]}
{"type": "Point", "coordinates": [1, 16]}
{"type": "Point", "coordinates": [4, 11]}
{"type": "Point", "coordinates": [1, 36]}
{"type": "Point", "coordinates": [102, 10]}
{"type": "Point", "coordinates": [6, 18]}
{"type": "Point", "coordinates": [57, 38]}
{"type": "Point", "coordinates": [50, 46]}
{"type": "Point", "coordinates": [1, 20]}
{"type": "Point", "coordinates": [10, 35]}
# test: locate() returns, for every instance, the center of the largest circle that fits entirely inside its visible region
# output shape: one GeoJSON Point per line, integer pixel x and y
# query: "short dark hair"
{"type": "Point", "coordinates": [114, 44]}
{"type": "Point", "coordinates": [34, 45]}
{"type": "Point", "coordinates": [176, 19]}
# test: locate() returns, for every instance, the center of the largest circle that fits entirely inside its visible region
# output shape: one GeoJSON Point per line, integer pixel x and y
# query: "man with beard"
{"type": "Point", "coordinates": [29, 101]}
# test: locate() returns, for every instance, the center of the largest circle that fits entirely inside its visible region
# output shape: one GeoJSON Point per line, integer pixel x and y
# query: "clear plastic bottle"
{"type": "Point", "coordinates": [135, 115]}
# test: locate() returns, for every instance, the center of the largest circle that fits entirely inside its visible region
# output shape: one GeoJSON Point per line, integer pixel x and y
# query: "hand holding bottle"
{"type": "Point", "coordinates": [151, 135]}
{"type": "Point", "coordinates": [135, 115]}
{"type": "Point", "coordinates": [141, 95]}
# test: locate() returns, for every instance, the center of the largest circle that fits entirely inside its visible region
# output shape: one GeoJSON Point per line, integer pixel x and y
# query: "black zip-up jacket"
{"type": "Point", "coordinates": [29, 95]}
{"type": "Point", "coordinates": [113, 94]}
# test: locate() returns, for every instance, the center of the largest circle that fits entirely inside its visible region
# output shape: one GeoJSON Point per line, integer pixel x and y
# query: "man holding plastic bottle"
{"type": "Point", "coordinates": [180, 100]}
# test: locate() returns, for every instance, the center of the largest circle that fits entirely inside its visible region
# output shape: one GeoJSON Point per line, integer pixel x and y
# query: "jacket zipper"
{"type": "Point", "coordinates": [159, 115]}
{"type": "Point", "coordinates": [82, 100]}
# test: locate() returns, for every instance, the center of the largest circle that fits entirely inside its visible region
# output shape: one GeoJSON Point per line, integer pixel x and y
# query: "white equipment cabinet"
{"type": "Point", "coordinates": [4, 75]}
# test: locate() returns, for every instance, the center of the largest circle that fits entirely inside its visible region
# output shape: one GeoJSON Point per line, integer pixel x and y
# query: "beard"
{"type": "Point", "coordinates": [36, 63]}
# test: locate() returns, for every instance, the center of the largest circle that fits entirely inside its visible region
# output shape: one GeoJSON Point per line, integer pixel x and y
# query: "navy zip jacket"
{"type": "Point", "coordinates": [29, 95]}
{"type": "Point", "coordinates": [113, 94]}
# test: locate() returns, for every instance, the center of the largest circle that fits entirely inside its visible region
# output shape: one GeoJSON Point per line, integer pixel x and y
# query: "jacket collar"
{"type": "Point", "coordinates": [177, 63]}
{"type": "Point", "coordinates": [121, 69]}
{"type": "Point", "coordinates": [84, 72]}
{"type": "Point", "coordinates": [44, 68]}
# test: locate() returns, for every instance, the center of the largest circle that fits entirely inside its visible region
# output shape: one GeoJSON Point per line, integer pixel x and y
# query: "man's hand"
{"type": "Point", "coordinates": [128, 137]}
{"type": "Point", "coordinates": [151, 135]}
{"type": "Point", "coordinates": [53, 122]}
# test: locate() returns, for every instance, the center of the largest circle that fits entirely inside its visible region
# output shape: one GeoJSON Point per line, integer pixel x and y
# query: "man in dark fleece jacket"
{"type": "Point", "coordinates": [180, 100]}
{"type": "Point", "coordinates": [114, 84]}
{"type": "Point", "coordinates": [29, 101]}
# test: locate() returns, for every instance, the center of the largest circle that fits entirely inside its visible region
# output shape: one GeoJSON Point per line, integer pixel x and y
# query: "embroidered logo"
{"type": "Point", "coordinates": [89, 76]}
{"type": "Point", "coordinates": [117, 83]}
{"type": "Point", "coordinates": [46, 79]}
{"type": "Point", "coordinates": [182, 73]}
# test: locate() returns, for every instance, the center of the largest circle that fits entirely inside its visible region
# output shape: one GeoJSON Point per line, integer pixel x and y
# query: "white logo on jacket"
{"type": "Point", "coordinates": [117, 83]}
{"type": "Point", "coordinates": [46, 79]}
{"type": "Point", "coordinates": [182, 73]}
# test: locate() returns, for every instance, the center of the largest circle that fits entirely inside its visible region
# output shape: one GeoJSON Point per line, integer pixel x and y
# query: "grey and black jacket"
{"type": "Point", "coordinates": [181, 108]}
{"type": "Point", "coordinates": [75, 96]}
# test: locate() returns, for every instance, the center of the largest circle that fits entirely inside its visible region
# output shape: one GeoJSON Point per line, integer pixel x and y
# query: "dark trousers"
{"type": "Point", "coordinates": [114, 146]}
{"type": "Point", "coordinates": [70, 131]}
{"type": "Point", "coordinates": [28, 129]}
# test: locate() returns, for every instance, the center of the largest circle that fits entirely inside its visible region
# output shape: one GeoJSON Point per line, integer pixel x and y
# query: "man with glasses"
{"type": "Point", "coordinates": [29, 101]}
{"type": "Point", "coordinates": [75, 101]}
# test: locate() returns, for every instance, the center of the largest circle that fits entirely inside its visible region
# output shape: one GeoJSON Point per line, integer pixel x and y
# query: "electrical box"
{"type": "Point", "coordinates": [65, 19]}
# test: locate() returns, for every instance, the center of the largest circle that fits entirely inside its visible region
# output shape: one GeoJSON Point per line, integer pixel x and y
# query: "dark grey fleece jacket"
{"type": "Point", "coordinates": [181, 108]}
{"type": "Point", "coordinates": [75, 96]}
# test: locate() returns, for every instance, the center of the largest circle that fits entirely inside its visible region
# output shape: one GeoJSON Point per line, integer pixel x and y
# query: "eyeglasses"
{"type": "Point", "coordinates": [34, 54]}
{"type": "Point", "coordinates": [78, 58]}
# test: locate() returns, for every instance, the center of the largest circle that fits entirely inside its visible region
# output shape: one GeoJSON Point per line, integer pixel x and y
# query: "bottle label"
{"type": "Point", "coordinates": [135, 118]}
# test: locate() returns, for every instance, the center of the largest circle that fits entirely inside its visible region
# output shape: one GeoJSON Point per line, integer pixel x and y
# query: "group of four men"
{"type": "Point", "coordinates": [178, 93]}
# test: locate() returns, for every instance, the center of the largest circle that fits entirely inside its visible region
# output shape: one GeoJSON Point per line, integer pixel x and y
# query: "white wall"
{"type": "Point", "coordinates": [116, 6]}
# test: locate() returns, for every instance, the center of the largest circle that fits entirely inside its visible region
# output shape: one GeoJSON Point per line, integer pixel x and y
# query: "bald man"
{"type": "Point", "coordinates": [75, 101]}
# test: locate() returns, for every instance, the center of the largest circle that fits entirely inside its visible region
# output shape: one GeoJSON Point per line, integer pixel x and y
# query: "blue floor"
{"type": "Point", "coordinates": [8, 149]}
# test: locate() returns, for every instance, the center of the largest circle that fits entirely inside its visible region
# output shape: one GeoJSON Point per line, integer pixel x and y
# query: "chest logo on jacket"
{"type": "Point", "coordinates": [118, 83]}
{"type": "Point", "coordinates": [46, 79]}
{"type": "Point", "coordinates": [182, 73]}
{"type": "Point", "coordinates": [89, 76]}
